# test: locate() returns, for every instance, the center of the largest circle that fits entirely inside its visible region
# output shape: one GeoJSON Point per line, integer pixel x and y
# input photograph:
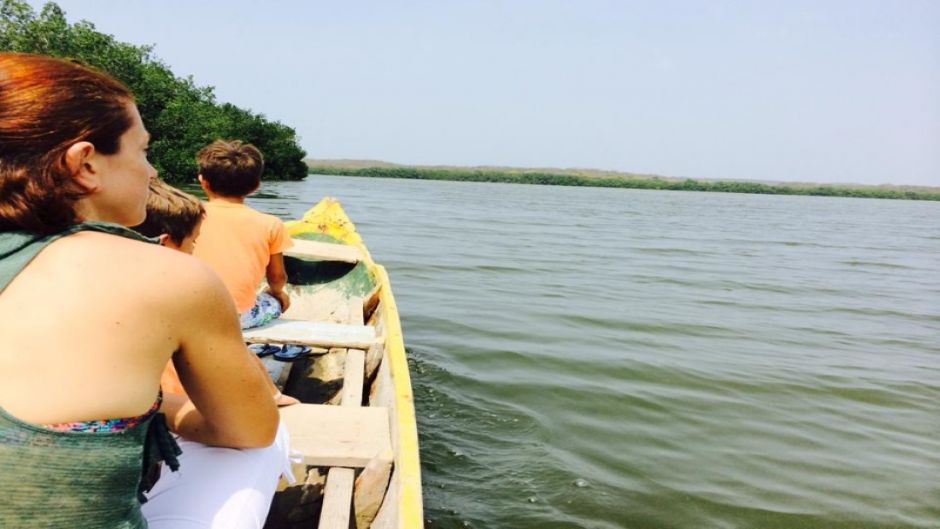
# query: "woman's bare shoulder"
{"type": "Point", "coordinates": [136, 266]}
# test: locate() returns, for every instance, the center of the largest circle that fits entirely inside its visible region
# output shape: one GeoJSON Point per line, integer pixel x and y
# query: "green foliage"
{"type": "Point", "coordinates": [558, 179]}
{"type": "Point", "coordinates": [180, 116]}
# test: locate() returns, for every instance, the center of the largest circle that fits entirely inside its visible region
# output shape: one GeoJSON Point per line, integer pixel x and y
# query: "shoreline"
{"type": "Point", "coordinates": [623, 180]}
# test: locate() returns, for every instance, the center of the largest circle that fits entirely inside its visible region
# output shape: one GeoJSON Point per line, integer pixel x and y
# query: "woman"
{"type": "Point", "coordinates": [90, 313]}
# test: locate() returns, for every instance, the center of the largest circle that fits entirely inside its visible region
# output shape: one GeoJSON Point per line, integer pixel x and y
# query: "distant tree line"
{"type": "Point", "coordinates": [181, 116]}
{"type": "Point", "coordinates": [559, 179]}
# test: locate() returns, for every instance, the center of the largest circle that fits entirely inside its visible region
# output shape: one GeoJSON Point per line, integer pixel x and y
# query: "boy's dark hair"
{"type": "Point", "coordinates": [172, 212]}
{"type": "Point", "coordinates": [232, 168]}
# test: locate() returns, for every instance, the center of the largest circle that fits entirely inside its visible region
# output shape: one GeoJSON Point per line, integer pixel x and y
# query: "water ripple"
{"type": "Point", "coordinates": [588, 358]}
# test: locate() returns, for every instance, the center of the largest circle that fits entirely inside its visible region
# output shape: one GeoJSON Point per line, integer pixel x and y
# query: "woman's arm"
{"type": "Point", "coordinates": [231, 398]}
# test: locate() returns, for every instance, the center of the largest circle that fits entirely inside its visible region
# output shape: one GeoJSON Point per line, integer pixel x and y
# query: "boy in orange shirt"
{"type": "Point", "coordinates": [239, 243]}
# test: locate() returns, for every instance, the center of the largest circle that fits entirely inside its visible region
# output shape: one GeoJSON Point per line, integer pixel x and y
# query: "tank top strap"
{"type": "Point", "coordinates": [18, 248]}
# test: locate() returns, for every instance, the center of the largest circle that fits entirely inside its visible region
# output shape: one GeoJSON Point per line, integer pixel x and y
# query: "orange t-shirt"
{"type": "Point", "coordinates": [237, 242]}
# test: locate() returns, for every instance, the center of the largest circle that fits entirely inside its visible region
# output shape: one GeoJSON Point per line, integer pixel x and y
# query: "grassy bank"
{"type": "Point", "coordinates": [625, 181]}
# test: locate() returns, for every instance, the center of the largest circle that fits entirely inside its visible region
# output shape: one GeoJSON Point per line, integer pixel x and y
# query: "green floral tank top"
{"type": "Point", "coordinates": [52, 478]}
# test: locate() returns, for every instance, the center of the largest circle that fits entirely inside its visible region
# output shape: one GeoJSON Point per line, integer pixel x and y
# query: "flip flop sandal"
{"type": "Point", "coordinates": [289, 353]}
{"type": "Point", "coordinates": [264, 349]}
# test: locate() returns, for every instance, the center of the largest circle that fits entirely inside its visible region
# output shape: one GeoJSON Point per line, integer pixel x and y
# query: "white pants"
{"type": "Point", "coordinates": [218, 488]}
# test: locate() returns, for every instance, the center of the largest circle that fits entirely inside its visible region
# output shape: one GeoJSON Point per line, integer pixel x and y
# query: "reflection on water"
{"type": "Point", "coordinates": [622, 358]}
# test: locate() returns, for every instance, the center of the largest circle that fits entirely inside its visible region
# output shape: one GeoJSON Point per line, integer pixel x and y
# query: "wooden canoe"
{"type": "Point", "coordinates": [355, 435]}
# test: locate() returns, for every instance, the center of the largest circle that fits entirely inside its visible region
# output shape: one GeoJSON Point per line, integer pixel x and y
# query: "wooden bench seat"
{"type": "Point", "coordinates": [337, 436]}
{"type": "Point", "coordinates": [317, 334]}
{"type": "Point", "coordinates": [324, 251]}
{"type": "Point", "coordinates": [349, 438]}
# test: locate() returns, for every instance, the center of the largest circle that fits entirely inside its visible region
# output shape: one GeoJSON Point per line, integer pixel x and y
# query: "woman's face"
{"type": "Point", "coordinates": [125, 177]}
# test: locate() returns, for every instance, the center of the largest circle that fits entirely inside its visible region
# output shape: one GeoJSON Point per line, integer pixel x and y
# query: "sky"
{"type": "Point", "coordinates": [812, 91]}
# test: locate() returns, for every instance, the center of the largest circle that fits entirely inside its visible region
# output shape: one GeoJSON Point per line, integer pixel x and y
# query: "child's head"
{"type": "Point", "coordinates": [173, 216]}
{"type": "Point", "coordinates": [230, 168]}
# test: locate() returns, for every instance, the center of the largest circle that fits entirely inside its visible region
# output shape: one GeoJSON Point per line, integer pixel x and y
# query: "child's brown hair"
{"type": "Point", "coordinates": [172, 212]}
{"type": "Point", "coordinates": [232, 168]}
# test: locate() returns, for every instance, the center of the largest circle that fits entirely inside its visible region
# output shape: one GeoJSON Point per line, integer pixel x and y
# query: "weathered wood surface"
{"type": "Point", "coordinates": [337, 436]}
{"type": "Point", "coordinates": [321, 379]}
{"type": "Point", "coordinates": [382, 394]}
{"type": "Point", "coordinates": [387, 517]}
{"type": "Point", "coordinates": [353, 378]}
{"type": "Point", "coordinates": [370, 488]}
{"type": "Point", "coordinates": [324, 251]}
{"type": "Point", "coordinates": [337, 499]}
{"type": "Point", "coordinates": [325, 304]}
{"type": "Point", "coordinates": [373, 359]}
{"type": "Point", "coordinates": [338, 496]}
{"type": "Point", "coordinates": [370, 302]}
{"type": "Point", "coordinates": [313, 333]}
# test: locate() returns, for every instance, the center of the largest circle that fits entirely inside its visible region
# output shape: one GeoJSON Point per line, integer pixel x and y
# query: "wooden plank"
{"type": "Point", "coordinates": [356, 315]}
{"type": "Point", "coordinates": [373, 359]}
{"type": "Point", "coordinates": [337, 499]}
{"type": "Point", "coordinates": [354, 374]}
{"type": "Point", "coordinates": [324, 251]}
{"type": "Point", "coordinates": [370, 489]}
{"type": "Point", "coordinates": [337, 436]}
{"type": "Point", "coordinates": [338, 495]}
{"type": "Point", "coordinates": [314, 333]}
{"type": "Point", "coordinates": [323, 304]}
{"type": "Point", "coordinates": [383, 389]}
{"type": "Point", "coordinates": [387, 517]}
{"type": "Point", "coordinates": [371, 302]}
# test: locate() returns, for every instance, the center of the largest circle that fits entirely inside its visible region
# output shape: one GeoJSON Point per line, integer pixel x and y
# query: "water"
{"type": "Point", "coordinates": [606, 358]}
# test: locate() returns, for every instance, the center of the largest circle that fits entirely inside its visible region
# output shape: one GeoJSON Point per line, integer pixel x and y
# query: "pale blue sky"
{"type": "Point", "coordinates": [824, 91]}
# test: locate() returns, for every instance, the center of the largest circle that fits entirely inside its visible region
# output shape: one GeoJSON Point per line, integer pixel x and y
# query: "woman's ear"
{"type": "Point", "coordinates": [79, 158]}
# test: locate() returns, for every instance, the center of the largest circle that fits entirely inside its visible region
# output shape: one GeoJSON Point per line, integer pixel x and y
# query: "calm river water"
{"type": "Point", "coordinates": [607, 358]}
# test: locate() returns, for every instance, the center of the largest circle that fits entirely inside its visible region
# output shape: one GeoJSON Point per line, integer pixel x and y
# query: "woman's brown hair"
{"type": "Point", "coordinates": [46, 106]}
